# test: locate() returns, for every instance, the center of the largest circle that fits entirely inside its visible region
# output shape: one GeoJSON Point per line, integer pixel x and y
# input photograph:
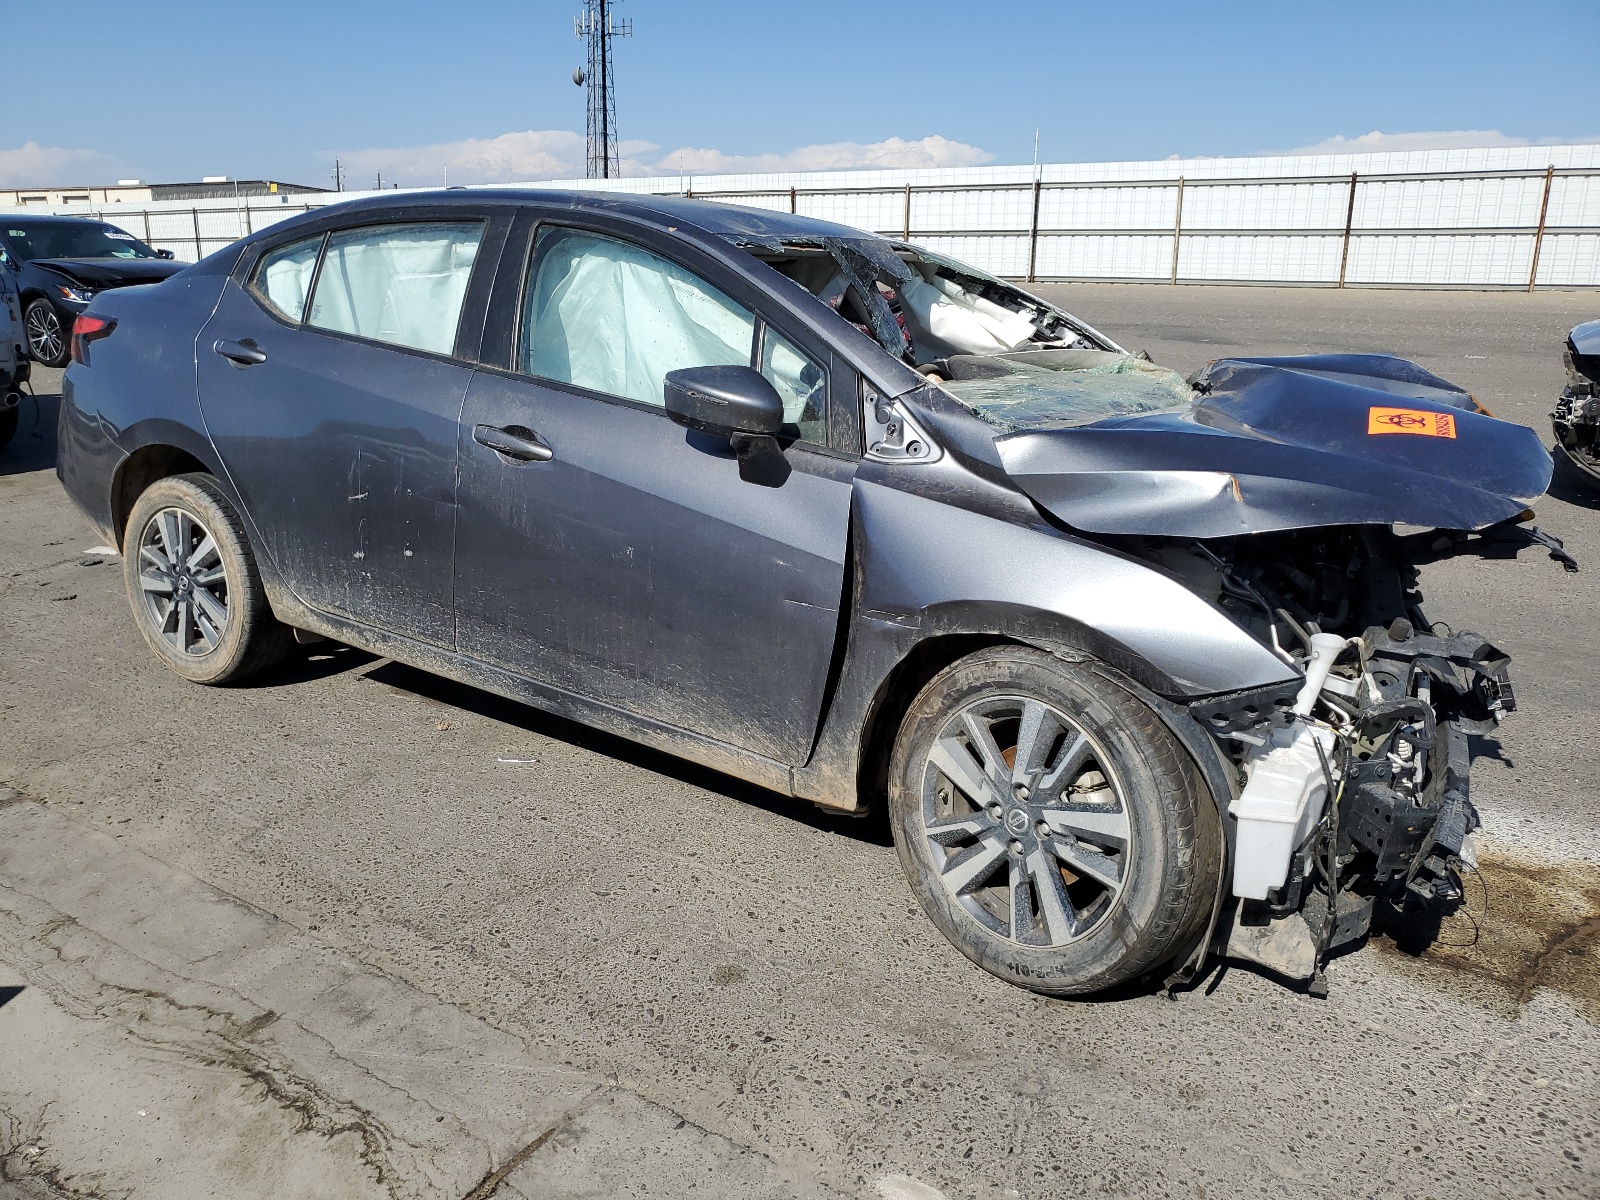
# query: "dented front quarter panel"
{"type": "Point", "coordinates": [941, 550]}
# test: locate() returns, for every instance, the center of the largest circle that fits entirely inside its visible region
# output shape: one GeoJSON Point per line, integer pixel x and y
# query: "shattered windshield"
{"type": "Point", "coordinates": [1014, 360]}
{"type": "Point", "coordinates": [918, 305]}
{"type": "Point", "coordinates": [1047, 388]}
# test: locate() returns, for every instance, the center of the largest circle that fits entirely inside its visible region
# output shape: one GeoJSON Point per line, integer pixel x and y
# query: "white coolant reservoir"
{"type": "Point", "coordinates": [1286, 789]}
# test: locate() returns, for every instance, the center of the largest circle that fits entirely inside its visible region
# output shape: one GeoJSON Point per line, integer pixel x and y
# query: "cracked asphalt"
{"type": "Point", "coordinates": [355, 930]}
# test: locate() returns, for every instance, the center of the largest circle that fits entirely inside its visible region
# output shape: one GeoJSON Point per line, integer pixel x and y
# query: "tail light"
{"type": "Point", "coordinates": [89, 328]}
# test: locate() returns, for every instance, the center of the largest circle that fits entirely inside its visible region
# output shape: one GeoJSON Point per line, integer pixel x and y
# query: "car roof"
{"type": "Point", "coordinates": [26, 219]}
{"type": "Point", "coordinates": [721, 220]}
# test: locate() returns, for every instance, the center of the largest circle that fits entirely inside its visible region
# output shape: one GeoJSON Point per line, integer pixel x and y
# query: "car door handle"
{"type": "Point", "coordinates": [514, 442]}
{"type": "Point", "coordinates": [241, 354]}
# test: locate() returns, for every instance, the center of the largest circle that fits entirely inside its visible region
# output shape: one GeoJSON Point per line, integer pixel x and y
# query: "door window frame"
{"type": "Point", "coordinates": [503, 323]}
{"type": "Point", "coordinates": [496, 222]}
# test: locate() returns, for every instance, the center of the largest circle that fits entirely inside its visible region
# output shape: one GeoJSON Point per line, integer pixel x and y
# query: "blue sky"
{"type": "Point", "coordinates": [176, 89]}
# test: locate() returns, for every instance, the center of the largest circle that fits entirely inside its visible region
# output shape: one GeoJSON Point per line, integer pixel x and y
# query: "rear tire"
{"type": "Point", "coordinates": [1051, 825]}
{"type": "Point", "coordinates": [193, 583]}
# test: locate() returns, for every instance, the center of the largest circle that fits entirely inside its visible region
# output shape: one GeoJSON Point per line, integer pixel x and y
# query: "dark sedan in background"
{"type": "Point", "coordinates": [1136, 663]}
{"type": "Point", "coordinates": [59, 264]}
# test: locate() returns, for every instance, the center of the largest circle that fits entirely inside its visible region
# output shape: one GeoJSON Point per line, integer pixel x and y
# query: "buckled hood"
{"type": "Point", "coordinates": [1284, 443]}
{"type": "Point", "coordinates": [112, 272]}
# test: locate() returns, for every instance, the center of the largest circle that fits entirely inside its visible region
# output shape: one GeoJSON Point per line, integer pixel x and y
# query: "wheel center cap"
{"type": "Point", "coordinates": [1017, 820]}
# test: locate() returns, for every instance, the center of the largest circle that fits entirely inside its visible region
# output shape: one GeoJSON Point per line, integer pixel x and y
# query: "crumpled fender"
{"type": "Point", "coordinates": [1288, 443]}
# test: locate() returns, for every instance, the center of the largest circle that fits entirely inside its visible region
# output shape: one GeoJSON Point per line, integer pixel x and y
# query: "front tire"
{"type": "Point", "coordinates": [1051, 825]}
{"type": "Point", "coordinates": [193, 583]}
{"type": "Point", "coordinates": [49, 334]}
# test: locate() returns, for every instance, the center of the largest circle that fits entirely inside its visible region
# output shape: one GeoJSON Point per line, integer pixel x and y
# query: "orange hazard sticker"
{"type": "Point", "coordinates": [1411, 420]}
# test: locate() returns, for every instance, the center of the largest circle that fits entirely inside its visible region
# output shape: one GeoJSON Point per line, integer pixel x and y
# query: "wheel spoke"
{"type": "Point", "coordinates": [952, 831]}
{"type": "Point", "coordinates": [955, 763]}
{"type": "Point", "coordinates": [1021, 900]}
{"type": "Point", "coordinates": [183, 627]}
{"type": "Point", "coordinates": [994, 763]}
{"type": "Point", "coordinates": [1055, 906]}
{"type": "Point", "coordinates": [1102, 825]}
{"type": "Point", "coordinates": [204, 552]}
{"type": "Point", "coordinates": [156, 558]}
{"type": "Point", "coordinates": [1036, 733]}
{"type": "Point", "coordinates": [214, 609]}
{"type": "Point", "coordinates": [211, 577]}
{"type": "Point", "coordinates": [1084, 859]}
{"type": "Point", "coordinates": [155, 583]}
{"type": "Point", "coordinates": [167, 528]}
{"type": "Point", "coordinates": [208, 631]}
{"type": "Point", "coordinates": [1067, 768]}
{"type": "Point", "coordinates": [185, 535]}
{"type": "Point", "coordinates": [967, 870]}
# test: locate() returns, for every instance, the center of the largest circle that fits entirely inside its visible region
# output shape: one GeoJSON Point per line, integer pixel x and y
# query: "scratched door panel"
{"type": "Point", "coordinates": [635, 567]}
{"type": "Point", "coordinates": [343, 453]}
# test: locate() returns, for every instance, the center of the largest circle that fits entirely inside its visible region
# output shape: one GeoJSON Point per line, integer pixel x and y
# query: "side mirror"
{"type": "Point", "coordinates": [724, 401]}
{"type": "Point", "coordinates": [164, 254]}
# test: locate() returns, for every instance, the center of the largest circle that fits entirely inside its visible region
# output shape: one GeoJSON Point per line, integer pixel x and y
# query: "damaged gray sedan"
{"type": "Point", "coordinates": [1137, 664]}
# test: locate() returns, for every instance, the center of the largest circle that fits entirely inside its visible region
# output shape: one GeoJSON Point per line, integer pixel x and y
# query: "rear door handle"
{"type": "Point", "coordinates": [241, 354]}
{"type": "Point", "coordinates": [514, 441]}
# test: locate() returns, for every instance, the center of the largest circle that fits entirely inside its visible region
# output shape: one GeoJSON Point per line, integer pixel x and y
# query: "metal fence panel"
{"type": "Point", "coordinates": [1475, 217]}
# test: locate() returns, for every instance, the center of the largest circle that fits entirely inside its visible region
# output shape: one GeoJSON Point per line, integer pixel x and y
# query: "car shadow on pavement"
{"type": "Point", "coordinates": [305, 664]}
{"type": "Point", "coordinates": [873, 828]}
{"type": "Point", "coordinates": [34, 447]}
{"type": "Point", "coordinates": [1572, 485]}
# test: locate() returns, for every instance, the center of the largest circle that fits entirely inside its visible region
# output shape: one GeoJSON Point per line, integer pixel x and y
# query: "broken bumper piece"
{"type": "Point", "coordinates": [1370, 780]}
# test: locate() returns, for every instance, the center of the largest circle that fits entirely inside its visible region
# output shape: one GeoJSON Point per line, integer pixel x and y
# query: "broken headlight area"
{"type": "Point", "coordinates": [1354, 779]}
{"type": "Point", "coordinates": [1576, 418]}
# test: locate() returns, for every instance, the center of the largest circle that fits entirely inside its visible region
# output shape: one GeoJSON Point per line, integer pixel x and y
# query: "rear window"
{"type": "Point", "coordinates": [402, 284]}
{"type": "Point", "coordinates": [282, 278]}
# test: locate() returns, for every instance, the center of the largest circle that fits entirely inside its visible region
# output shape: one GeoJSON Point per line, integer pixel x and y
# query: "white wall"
{"type": "Point", "coordinates": [1427, 218]}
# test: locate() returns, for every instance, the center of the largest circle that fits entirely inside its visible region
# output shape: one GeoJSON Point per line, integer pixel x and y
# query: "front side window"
{"type": "Point", "coordinates": [615, 318]}
{"type": "Point", "coordinates": [283, 277]}
{"type": "Point", "coordinates": [402, 284]}
{"type": "Point", "coordinates": [801, 383]}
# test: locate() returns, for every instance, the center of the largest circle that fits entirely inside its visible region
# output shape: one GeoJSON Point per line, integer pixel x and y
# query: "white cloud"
{"type": "Point", "coordinates": [509, 158]}
{"type": "Point", "coordinates": [931, 151]}
{"type": "Point", "coordinates": [1442, 139]}
{"type": "Point", "coordinates": [559, 154]}
{"type": "Point", "coordinates": [33, 165]}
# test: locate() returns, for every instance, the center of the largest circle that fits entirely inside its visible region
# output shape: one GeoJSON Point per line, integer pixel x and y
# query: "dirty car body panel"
{"type": "Point", "coordinates": [960, 465]}
{"type": "Point", "coordinates": [1576, 419]}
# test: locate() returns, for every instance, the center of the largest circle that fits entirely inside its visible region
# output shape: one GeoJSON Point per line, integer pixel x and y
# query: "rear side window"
{"type": "Point", "coordinates": [283, 277]}
{"type": "Point", "coordinates": [402, 284]}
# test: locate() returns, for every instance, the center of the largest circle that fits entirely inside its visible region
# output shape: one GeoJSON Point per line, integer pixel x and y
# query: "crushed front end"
{"type": "Point", "coordinates": [1354, 781]}
{"type": "Point", "coordinates": [1576, 418]}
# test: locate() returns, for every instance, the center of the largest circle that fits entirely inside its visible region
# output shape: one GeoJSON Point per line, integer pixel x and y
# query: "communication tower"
{"type": "Point", "coordinates": [598, 26]}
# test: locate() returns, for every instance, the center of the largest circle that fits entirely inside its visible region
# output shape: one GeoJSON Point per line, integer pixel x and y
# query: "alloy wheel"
{"type": "Point", "coordinates": [184, 585]}
{"type": "Point", "coordinates": [46, 341]}
{"type": "Point", "coordinates": [1025, 821]}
